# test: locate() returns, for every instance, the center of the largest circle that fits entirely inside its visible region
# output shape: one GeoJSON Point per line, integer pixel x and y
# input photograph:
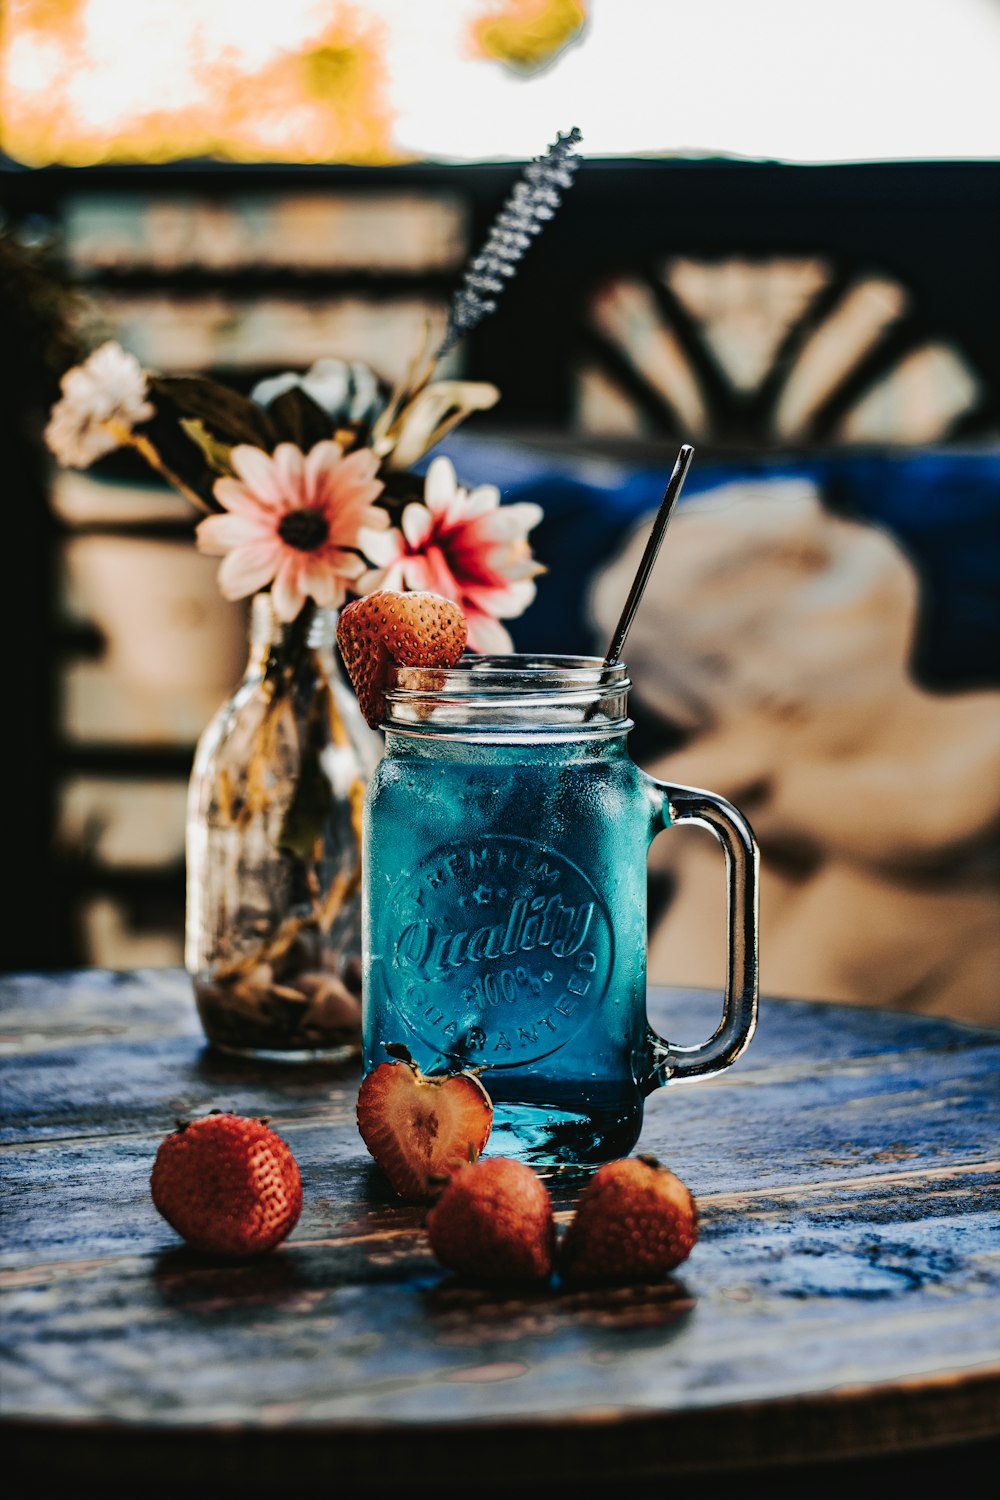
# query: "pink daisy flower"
{"type": "Point", "coordinates": [291, 520]}
{"type": "Point", "coordinates": [462, 544]}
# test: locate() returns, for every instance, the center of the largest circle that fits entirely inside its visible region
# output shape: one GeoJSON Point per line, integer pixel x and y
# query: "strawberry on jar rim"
{"type": "Point", "coordinates": [417, 629]}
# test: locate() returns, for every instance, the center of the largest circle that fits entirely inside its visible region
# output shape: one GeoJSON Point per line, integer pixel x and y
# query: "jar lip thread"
{"type": "Point", "coordinates": [484, 673]}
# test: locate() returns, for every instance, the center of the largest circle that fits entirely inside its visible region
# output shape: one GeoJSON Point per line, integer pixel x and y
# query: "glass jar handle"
{"type": "Point", "coordinates": [685, 804]}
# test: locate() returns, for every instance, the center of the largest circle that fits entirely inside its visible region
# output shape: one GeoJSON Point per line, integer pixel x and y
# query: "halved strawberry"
{"type": "Point", "coordinates": [420, 1129]}
{"type": "Point", "coordinates": [416, 629]}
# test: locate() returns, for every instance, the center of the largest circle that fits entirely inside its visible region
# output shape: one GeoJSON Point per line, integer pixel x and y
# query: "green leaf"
{"type": "Point", "coordinates": [230, 417]}
{"type": "Point", "coordinates": [217, 454]}
{"type": "Point", "coordinates": [180, 455]}
{"type": "Point", "coordinates": [312, 801]}
{"type": "Point", "coordinates": [309, 809]}
{"type": "Point", "coordinates": [298, 419]}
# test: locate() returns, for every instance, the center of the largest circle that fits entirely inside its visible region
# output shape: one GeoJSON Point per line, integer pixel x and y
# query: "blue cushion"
{"type": "Point", "coordinates": [942, 506]}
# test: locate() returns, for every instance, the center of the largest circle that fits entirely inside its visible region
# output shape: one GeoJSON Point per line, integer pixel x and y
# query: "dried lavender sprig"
{"type": "Point", "coordinates": [533, 201]}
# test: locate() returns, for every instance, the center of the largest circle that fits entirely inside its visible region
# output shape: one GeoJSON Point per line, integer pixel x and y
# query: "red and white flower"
{"type": "Point", "coordinates": [465, 545]}
{"type": "Point", "coordinates": [292, 521]}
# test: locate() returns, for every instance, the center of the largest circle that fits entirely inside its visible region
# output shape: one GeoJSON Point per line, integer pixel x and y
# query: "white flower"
{"type": "Point", "coordinates": [101, 402]}
{"type": "Point", "coordinates": [404, 436]}
{"type": "Point", "coordinates": [346, 390]}
{"type": "Point", "coordinates": [462, 544]}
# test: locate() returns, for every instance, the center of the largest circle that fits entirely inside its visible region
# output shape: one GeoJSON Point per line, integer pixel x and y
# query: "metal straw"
{"type": "Point", "coordinates": [674, 485]}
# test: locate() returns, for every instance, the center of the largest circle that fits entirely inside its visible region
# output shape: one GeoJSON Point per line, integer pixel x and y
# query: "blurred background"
{"type": "Point", "coordinates": [782, 246]}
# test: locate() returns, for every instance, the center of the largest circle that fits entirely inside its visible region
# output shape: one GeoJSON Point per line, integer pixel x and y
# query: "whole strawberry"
{"type": "Point", "coordinates": [416, 629]}
{"type": "Point", "coordinates": [228, 1185]}
{"type": "Point", "coordinates": [494, 1223]}
{"type": "Point", "coordinates": [421, 1127]}
{"type": "Point", "coordinates": [634, 1221]}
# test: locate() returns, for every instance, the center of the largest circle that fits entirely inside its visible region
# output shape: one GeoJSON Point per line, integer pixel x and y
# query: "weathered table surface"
{"type": "Point", "coordinates": [841, 1302]}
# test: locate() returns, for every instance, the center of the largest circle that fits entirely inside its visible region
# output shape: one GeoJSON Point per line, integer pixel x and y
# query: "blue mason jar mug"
{"type": "Point", "coordinates": [505, 838]}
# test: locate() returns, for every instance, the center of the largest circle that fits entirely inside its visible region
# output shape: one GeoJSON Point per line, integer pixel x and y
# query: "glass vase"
{"type": "Point", "coordinates": [273, 938]}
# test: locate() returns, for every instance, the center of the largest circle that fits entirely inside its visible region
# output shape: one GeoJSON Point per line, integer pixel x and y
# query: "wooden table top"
{"type": "Point", "coordinates": [843, 1299]}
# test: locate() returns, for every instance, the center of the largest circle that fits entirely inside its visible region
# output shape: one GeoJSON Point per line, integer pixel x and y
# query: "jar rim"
{"type": "Point", "coordinates": [528, 690]}
{"type": "Point", "coordinates": [475, 673]}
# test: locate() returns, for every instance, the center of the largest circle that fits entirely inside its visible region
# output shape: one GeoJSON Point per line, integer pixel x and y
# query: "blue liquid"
{"type": "Point", "coordinates": [505, 929]}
